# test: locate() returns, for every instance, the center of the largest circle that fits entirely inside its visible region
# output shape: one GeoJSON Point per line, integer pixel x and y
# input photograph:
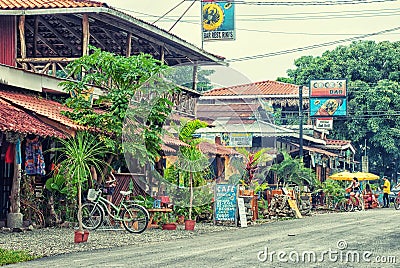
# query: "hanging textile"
{"type": "Point", "coordinates": [10, 154]}
{"type": "Point", "coordinates": [34, 161]}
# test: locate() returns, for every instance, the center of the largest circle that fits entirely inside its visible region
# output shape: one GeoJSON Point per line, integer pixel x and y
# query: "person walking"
{"type": "Point", "coordinates": [386, 192]}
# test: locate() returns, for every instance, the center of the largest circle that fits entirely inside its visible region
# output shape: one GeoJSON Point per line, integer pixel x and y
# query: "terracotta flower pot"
{"type": "Point", "coordinates": [81, 236]}
{"type": "Point", "coordinates": [189, 225]}
{"type": "Point", "coordinates": [169, 226]}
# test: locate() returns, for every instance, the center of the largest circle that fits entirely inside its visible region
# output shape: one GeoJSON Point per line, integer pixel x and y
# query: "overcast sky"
{"type": "Point", "coordinates": [262, 29]}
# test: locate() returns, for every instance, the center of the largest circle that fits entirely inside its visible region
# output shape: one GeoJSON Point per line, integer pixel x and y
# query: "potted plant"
{"type": "Point", "coordinates": [192, 161]}
{"type": "Point", "coordinates": [78, 155]}
{"type": "Point", "coordinates": [181, 214]}
{"type": "Point", "coordinates": [167, 221]}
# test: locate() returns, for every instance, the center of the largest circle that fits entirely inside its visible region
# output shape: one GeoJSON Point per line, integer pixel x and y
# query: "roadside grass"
{"type": "Point", "coordinates": [14, 256]}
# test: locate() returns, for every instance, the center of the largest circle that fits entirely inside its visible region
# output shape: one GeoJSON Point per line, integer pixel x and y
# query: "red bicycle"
{"type": "Point", "coordinates": [397, 201]}
{"type": "Point", "coordinates": [353, 202]}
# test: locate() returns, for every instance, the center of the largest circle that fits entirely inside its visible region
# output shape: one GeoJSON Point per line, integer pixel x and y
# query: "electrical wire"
{"type": "Point", "coordinates": [168, 12]}
{"type": "Point", "coordinates": [307, 3]}
{"type": "Point", "coordinates": [288, 51]}
{"type": "Point", "coordinates": [181, 16]}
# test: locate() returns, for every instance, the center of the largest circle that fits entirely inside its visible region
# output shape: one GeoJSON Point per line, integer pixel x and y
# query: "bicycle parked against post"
{"type": "Point", "coordinates": [134, 217]}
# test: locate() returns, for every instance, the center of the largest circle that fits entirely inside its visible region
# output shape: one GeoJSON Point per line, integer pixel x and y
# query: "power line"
{"type": "Point", "coordinates": [307, 3]}
{"type": "Point", "coordinates": [168, 12]}
{"type": "Point", "coordinates": [283, 52]}
{"type": "Point", "coordinates": [181, 16]}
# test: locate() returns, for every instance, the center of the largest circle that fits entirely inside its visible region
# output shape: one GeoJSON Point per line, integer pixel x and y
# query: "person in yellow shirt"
{"type": "Point", "coordinates": [386, 192]}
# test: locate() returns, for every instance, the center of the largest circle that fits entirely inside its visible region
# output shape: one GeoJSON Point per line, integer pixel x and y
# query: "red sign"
{"type": "Point", "coordinates": [327, 88]}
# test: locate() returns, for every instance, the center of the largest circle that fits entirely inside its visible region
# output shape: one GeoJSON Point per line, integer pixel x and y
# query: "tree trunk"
{"type": "Point", "coordinates": [80, 207]}
{"type": "Point", "coordinates": [191, 195]}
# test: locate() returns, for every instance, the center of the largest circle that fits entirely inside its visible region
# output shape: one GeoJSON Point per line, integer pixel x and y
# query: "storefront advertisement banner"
{"type": "Point", "coordinates": [218, 20]}
{"type": "Point", "coordinates": [330, 107]}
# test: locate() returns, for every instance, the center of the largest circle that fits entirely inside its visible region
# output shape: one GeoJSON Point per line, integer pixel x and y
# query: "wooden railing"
{"type": "Point", "coordinates": [50, 66]}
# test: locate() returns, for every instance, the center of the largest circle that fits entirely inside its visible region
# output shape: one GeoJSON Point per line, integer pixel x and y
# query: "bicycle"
{"type": "Point", "coordinates": [134, 217]}
{"type": "Point", "coordinates": [397, 201]}
{"type": "Point", "coordinates": [353, 202]}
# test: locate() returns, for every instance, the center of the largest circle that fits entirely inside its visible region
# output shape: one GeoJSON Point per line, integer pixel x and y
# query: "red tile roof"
{"type": "Point", "coordinates": [43, 4]}
{"type": "Point", "coordinates": [336, 142]}
{"type": "Point", "coordinates": [212, 148]}
{"type": "Point", "coordinates": [14, 119]}
{"type": "Point", "coordinates": [258, 88]}
{"type": "Point", "coordinates": [241, 112]}
{"type": "Point", "coordinates": [44, 107]}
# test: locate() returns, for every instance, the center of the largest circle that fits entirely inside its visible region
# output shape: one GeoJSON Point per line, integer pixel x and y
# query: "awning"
{"type": "Point", "coordinates": [315, 150]}
{"type": "Point", "coordinates": [16, 120]}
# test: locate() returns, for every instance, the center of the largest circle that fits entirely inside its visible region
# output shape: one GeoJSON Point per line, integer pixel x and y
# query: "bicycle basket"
{"type": "Point", "coordinates": [92, 194]}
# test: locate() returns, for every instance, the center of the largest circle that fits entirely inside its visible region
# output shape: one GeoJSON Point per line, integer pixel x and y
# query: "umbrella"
{"type": "Point", "coordinates": [365, 176]}
{"type": "Point", "coordinates": [342, 176]}
{"type": "Point", "coordinates": [348, 176]}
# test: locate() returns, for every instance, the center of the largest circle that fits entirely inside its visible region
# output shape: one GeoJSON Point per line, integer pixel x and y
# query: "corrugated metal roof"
{"type": "Point", "coordinates": [47, 108]}
{"type": "Point", "coordinates": [43, 4]}
{"type": "Point", "coordinates": [14, 119]}
{"type": "Point", "coordinates": [258, 88]}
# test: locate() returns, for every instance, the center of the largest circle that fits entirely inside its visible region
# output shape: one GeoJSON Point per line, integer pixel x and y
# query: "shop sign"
{"type": "Point", "coordinates": [328, 88]}
{"type": "Point", "coordinates": [324, 123]}
{"type": "Point", "coordinates": [218, 20]}
{"type": "Point", "coordinates": [225, 204]}
{"type": "Point", "coordinates": [237, 139]}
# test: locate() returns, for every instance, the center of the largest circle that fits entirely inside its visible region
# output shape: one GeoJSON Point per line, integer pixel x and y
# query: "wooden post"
{"type": "Point", "coordinates": [21, 28]}
{"type": "Point", "coordinates": [128, 45]}
{"type": "Point", "coordinates": [14, 217]}
{"type": "Point", "coordinates": [194, 81]}
{"type": "Point", "coordinates": [85, 34]}
{"type": "Point", "coordinates": [162, 54]}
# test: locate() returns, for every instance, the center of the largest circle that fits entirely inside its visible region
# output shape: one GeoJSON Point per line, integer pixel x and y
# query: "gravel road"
{"type": "Point", "coordinates": [357, 239]}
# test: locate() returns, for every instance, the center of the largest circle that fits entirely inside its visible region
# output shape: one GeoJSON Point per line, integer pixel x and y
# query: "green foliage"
{"type": "Point", "coordinates": [145, 201]}
{"type": "Point", "coordinates": [14, 256]}
{"type": "Point", "coordinates": [77, 156]}
{"type": "Point", "coordinates": [372, 72]}
{"type": "Point", "coordinates": [183, 75]}
{"type": "Point", "coordinates": [293, 171]}
{"type": "Point", "coordinates": [249, 170]}
{"type": "Point", "coordinates": [120, 77]}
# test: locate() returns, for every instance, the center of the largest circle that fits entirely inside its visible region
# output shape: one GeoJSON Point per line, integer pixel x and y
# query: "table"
{"type": "Point", "coordinates": [152, 211]}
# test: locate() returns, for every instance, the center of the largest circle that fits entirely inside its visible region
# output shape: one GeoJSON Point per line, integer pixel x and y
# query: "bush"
{"type": "Point", "coordinates": [11, 256]}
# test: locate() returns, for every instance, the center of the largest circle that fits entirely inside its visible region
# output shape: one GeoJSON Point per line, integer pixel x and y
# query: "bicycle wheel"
{"type": "Point", "coordinates": [397, 203]}
{"type": "Point", "coordinates": [341, 205]}
{"type": "Point", "coordinates": [349, 206]}
{"type": "Point", "coordinates": [92, 216]}
{"type": "Point", "coordinates": [135, 218]}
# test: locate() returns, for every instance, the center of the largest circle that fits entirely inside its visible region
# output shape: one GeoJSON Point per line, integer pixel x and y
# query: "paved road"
{"type": "Point", "coordinates": [337, 240]}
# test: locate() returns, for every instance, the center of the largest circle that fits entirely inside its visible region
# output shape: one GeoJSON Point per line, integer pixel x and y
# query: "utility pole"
{"type": "Point", "coordinates": [301, 122]}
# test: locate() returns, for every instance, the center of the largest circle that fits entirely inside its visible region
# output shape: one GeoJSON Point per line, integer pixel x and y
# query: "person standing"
{"type": "Point", "coordinates": [386, 192]}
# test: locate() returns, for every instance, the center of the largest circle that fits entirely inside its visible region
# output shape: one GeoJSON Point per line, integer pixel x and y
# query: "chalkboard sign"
{"type": "Point", "coordinates": [225, 202]}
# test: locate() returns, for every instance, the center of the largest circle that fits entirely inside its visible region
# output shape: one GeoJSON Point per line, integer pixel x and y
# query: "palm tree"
{"type": "Point", "coordinates": [192, 160]}
{"type": "Point", "coordinates": [78, 155]}
{"type": "Point", "coordinates": [293, 171]}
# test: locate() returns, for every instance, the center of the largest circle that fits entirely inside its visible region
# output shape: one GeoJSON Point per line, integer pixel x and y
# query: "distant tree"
{"type": "Point", "coordinates": [183, 75]}
{"type": "Point", "coordinates": [373, 74]}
